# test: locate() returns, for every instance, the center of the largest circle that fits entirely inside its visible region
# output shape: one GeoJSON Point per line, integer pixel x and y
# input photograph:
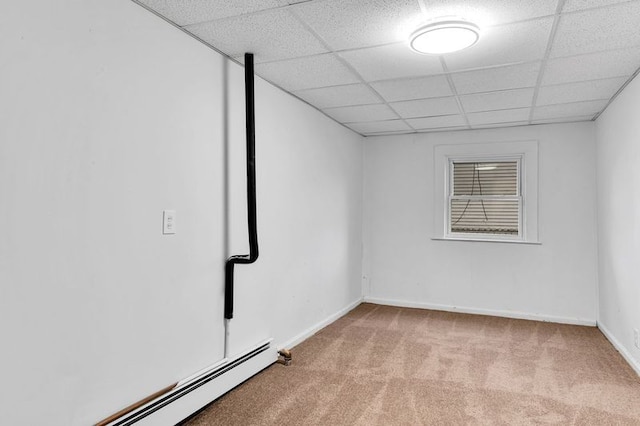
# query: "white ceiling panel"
{"type": "Point", "coordinates": [308, 72]}
{"type": "Point", "coordinates": [581, 91]}
{"type": "Point", "coordinates": [501, 78]}
{"type": "Point", "coordinates": [426, 107]}
{"type": "Point", "coordinates": [574, 109]}
{"type": "Point", "coordinates": [490, 12]}
{"type": "Point", "coordinates": [568, 119]}
{"type": "Point", "coordinates": [524, 41]}
{"type": "Point", "coordinates": [268, 34]}
{"type": "Point", "coordinates": [437, 122]}
{"type": "Point", "coordinates": [592, 66]}
{"type": "Point", "coordinates": [596, 30]}
{"type": "Point", "coordinates": [195, 11]}
{"type": "Point", "coordinates": [504, 99]}
{"type": "Point", "coordinates": [361, 113]}
{"type": "Point", "coordinates": [573, 5]}
{"type": "Point", "coordinates": [380, 126]}
{"type": "Point", "coordinates": [285, 2]}
{"type": "Point", "coordinates": [413, 88]}
{"type": "Point", "coordinates": [335, 96]}
{"type": "Point", "coordinates": [444, 129]}
{"type": "Point", "coordinates": [349, 24]}
{"type": "Point", "coordinates": [504, 116]}
{"type": "Point", "coordinates": [496, 125]}
{"type": "Point", "coordinates": [351, 60]}
{"type": "Point", "coordinates": [391, 62]}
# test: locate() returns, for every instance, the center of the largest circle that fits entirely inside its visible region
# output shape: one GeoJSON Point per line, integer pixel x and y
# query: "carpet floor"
{"type": "Point", "coordinates": [382, 365]}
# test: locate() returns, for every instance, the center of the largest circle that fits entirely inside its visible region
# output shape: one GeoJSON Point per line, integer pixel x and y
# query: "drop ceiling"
{"type": "Point", "coordinates": [537, 61]}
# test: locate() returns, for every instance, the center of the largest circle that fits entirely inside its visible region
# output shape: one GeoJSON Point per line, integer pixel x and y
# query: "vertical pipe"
{"type": "Point", "coordinates": [251, 190]}
{"type": "Point", "coordinates": [251, 157]}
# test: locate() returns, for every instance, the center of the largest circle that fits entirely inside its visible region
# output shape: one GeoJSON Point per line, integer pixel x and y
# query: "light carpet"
{"type": "Point", "coordinates": [382, 365]}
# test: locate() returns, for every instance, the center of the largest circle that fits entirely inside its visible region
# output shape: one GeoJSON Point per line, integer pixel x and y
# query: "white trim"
{"type": "Point", "coordinates": [635, 364]}
{"type": "Point", "coordinates": [480, 311]}
{"type": "Point", "coordinates": [487, 240]}
{"type": "Point", "coordinates": [319, 326]}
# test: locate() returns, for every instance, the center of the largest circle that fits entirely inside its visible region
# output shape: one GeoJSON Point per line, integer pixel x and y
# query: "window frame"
{"type": "Point", "coordinates": [526, 151]}
{"type": "Point", "coordinates": [450, 196]}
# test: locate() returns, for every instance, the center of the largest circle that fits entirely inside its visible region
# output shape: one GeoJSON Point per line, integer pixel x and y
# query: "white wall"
{"type": "Point", "coordinates": [309, 178]}
{"type": "Point", "coordinates": [108, 116]}
{"type": "Point", "coordinates": [618, 153]}
{"type": "Point", "coordinates": [554, 281]}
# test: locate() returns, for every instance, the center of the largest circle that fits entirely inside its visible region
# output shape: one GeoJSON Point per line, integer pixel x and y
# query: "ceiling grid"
{"type": "Point", "coordinates": [554, 29]}
{"type": "Point", "coordinates": [535, 62]}
{"type": "Point", "coordinates": [346, 64]}
{"type": "Point", "coordinates": [455, 92]}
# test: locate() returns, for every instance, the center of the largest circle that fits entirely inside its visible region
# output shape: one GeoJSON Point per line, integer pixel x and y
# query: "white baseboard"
{"type": "Point", "coordinates": [317, 327]}
{"type": "Point", "coordinates": [479, 311]}
{"type": "Point", "coordinates": [620, 348]}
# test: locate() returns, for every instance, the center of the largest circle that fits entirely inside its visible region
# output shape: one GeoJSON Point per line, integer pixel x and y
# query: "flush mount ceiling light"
{"type": "Point", "coordinates": [444, 37]}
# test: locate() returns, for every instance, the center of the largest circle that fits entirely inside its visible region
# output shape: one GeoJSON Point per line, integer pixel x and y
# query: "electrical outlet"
{"type": "Point", "coordinates": [636, 338]}
{"type": "Point", "coordinates": [169, 222]}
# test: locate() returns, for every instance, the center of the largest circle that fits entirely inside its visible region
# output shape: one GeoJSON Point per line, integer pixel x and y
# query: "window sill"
{"type": "Point", "coordinates": [487, 240]}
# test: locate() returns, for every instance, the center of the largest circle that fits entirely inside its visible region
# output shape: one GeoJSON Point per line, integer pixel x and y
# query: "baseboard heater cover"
{"type": "Point", "coordinates": [188, 385]}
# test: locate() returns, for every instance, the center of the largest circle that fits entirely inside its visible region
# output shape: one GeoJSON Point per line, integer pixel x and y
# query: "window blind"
{"type": "Point", "coordinates": [485, 198]}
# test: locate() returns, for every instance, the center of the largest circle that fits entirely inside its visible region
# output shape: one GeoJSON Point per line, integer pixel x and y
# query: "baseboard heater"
{"type": "Point", "coordinates": [181, 389]}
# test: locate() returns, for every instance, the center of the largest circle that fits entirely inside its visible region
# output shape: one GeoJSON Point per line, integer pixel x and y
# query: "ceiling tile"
{"type": "Point", "coordinates": [563, 119]}
{"type": "Point", "coordinates": [361, 113]}
{"type": "Point", "coordinates": [349, 24]}
{"type": "Point", "coordinates": [437, 122]}
{"type": "Point", "coordinates": [380, 126]}
{"type": "Point", "coordinates": [272, 35]}
{"type": "Point", "coordinates": [593, 66]}
{"type": "Point", "coordinates": [426, 107]}
{"type": "Point", "coordinates": [490, 12]}
{"type": "Point", "coordinates": [568, 110]}
{"type": "Point", "coordinates": [391, 62]}
{"type": "Point", "coordinates": [581, 91]}
{"type": "Point", "coordinates": [520, 42]}
{"type": "Point", "coordinates": [494, 125]}
{"type": "Point", "coordinates": [397, 132]}
{"type": "Point", "coordinates": [503, 116]}
{"type": "Point", "coordinates": [504, 99]}
{"type": "Point", "coordinates": [335, 96]}
{"type": "Point", "coordinates": [307, 73]}
{"type": "Point", "coordinates": [597, 30]}
{"type": "Point", "coordinates": [196, 11]}
{"type": "Point", "coordinates": [572, 5]}
{"type": "Point", "coordinates": [501, 78]}
{"type": "Point", "coordinates": [413, 88]}
{"type": "Point", "coordinates": [597, 48]}
{"type": "Point", "coordinates": [443, 129]}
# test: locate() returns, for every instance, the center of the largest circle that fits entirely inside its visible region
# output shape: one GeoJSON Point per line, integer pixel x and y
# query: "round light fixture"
{"type": "Point", "coordinates": [444, 37]}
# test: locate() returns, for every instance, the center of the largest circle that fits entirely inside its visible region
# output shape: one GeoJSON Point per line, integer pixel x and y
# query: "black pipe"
{"type": "Point", "coordinates": [251, 190]}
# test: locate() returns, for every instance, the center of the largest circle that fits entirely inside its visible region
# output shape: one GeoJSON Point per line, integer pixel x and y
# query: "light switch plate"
{"type": "Point", "coordinates": [169, 222]}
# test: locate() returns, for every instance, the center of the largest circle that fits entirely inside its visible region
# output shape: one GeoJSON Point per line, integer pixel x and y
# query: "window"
{"type": "Point", "coordinates": [486, 192]}
{"type": "Point", "coordinates": [484, 197]}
